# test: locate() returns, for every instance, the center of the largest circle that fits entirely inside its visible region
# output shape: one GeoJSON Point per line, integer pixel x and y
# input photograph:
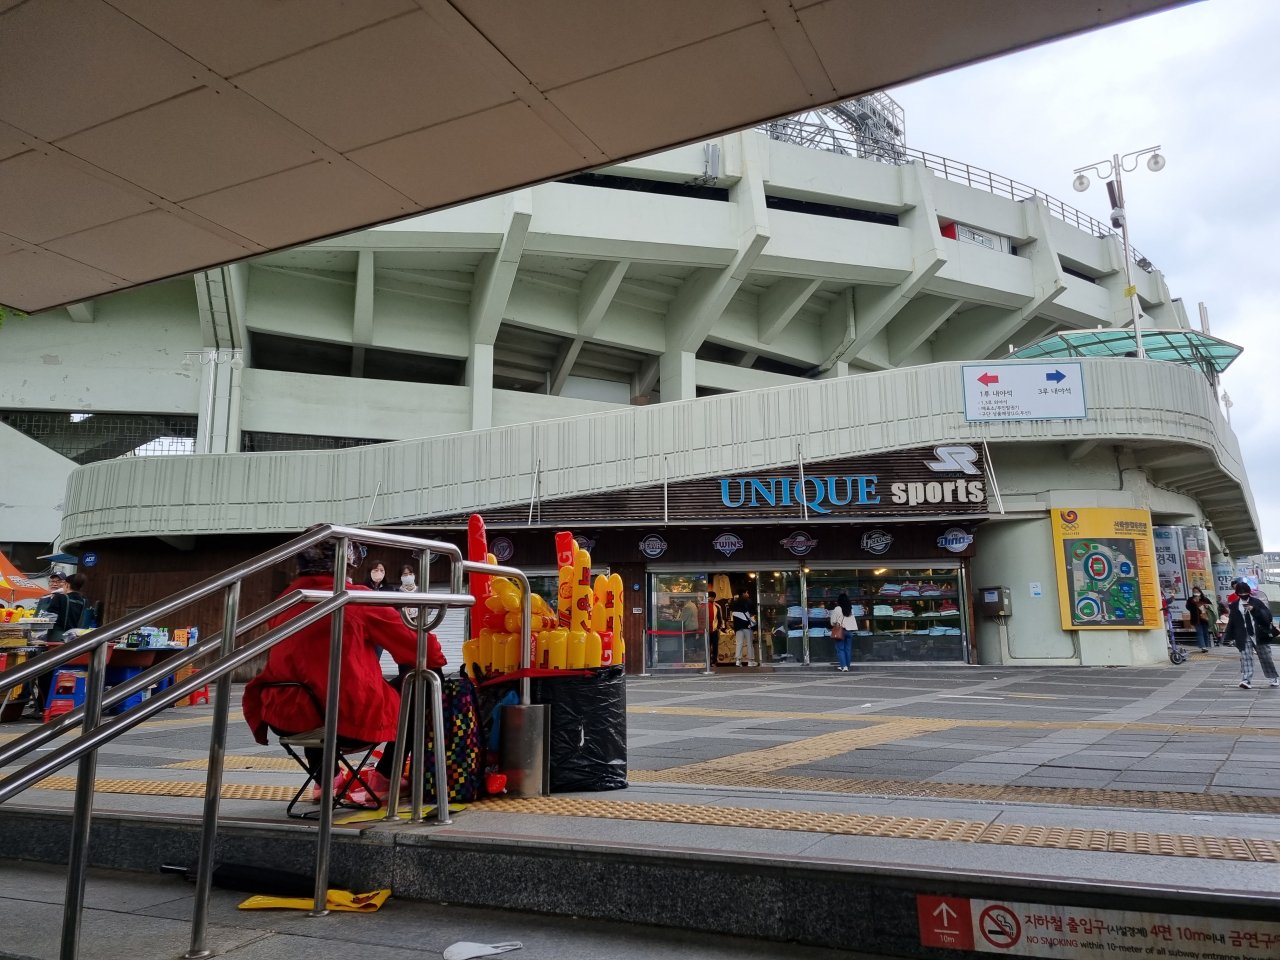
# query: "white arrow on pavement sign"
{"type": "Point", "coordinates": [1011, 390]}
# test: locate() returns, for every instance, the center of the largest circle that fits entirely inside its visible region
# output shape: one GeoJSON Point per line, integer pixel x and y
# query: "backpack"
{"type": "Point", "coordinates": [464, 755]}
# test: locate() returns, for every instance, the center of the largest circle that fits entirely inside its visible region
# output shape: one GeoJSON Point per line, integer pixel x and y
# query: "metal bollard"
{"type": "Point", "coordinates": [523, 754]}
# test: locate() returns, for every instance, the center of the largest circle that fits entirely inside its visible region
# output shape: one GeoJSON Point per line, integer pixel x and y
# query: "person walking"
{"type": "Point", "coordinates": [743, 622]}
{"type": "Point", "coordinates": [843, 626]}
{"type": "Point", "coordinates": [1201, 614]}
{"type": "Point", "coordinates": [1249, 628]}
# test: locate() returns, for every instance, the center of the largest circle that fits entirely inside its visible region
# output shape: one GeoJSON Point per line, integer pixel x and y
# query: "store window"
{"type": "Point", "coordinates": [677, 620]}
{"type": "Point", "coordinates": [903, 614]}
{"type": "Point", "coordinates": [781, 616]}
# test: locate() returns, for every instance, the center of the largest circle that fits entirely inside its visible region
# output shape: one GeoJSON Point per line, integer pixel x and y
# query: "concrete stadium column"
{"type": "Point", "coordinates": [677, 376]}
{"type": "Point", "coordinates": [480, 380]}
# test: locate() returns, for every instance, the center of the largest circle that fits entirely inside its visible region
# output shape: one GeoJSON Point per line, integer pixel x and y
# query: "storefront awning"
{"type": "Point", "coordinates": [1188, 347]}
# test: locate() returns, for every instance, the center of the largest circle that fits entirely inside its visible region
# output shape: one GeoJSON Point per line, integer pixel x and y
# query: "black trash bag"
{"type": "Point", "coordinates": [252, 879]}
{"type": "Point", "coordinates": [588, 729]}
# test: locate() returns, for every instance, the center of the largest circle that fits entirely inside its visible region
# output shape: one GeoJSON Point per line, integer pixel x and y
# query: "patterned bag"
{"type": "Point", "coordinates": [464, 754]}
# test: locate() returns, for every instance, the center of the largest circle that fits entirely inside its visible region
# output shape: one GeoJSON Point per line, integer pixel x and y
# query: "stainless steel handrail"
{"type": "Point", "coordinates": [320, 604]}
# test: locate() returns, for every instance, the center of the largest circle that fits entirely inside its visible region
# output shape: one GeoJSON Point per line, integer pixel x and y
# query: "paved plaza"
{"type": "Point", "coordinates": [1164, 777]}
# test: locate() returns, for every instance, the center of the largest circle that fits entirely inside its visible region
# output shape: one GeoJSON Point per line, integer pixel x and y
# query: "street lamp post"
{"type": "Point", "coordinates": [1115, 188]}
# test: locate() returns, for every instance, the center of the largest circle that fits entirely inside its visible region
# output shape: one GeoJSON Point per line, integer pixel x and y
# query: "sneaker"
{"type": "Point", "coordinates": [360, 797]}
{"type": "Point", "coordinates": [737, 663]}
{"type": "Point", "coordinates": [1275, 682]}
{"type": "Point", "coordinates": [338, 782]}
{"type": "Point", "coordinates": [1244, 685]}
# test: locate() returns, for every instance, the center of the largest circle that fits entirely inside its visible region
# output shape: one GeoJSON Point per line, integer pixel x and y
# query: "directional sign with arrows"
{"type": "Point", "coordinates": [1013, 390]}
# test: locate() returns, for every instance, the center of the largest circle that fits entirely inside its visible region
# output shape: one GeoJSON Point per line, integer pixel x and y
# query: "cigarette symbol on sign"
{"type": "Point", "coordinates": [1000, 927]}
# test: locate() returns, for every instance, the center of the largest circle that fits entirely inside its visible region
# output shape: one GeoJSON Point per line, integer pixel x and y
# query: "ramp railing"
{"type": "Point", "coordinates": [95, 731]}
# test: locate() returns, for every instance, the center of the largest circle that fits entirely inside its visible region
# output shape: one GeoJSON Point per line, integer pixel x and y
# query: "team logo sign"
{"type": "Point", "coordinates": [585, 543]}
{"type": "Point", "coordinates": [876, 541]}
{"type": "Point", "coordinates": [799, 543]}
{"type": "Point", "coordinates": [502, 549]}
{"type": "Point", "coordinates": [955, 540]}
{"type": "Point", "coordinates": [653, 546]}
{"type": "Point", "coordinates": [727, 543]}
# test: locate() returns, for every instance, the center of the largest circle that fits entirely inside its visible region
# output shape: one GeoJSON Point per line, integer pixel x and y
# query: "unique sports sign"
{"type": "Point", "coordinates": [1106, 569]}
{"type": "Point", "coordinates": [1005, 390]}
{"type": "Point", "coordinates": [1085, 933]}
{"type": "Point", "coordinates": [940, 481]}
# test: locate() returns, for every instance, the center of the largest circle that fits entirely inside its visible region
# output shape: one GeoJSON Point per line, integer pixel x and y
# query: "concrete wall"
{"type": "Point", "coordinates": [33, 482]}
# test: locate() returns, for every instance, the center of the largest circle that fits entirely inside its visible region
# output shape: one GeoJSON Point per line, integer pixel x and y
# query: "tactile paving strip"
{"type": "Point", "coordinates": [1067, 796]}
{"type": "Point", "coordinates": [948, 724]}
{"type": "Point", "coordinates": [174, 788]}
{"type": "Point", "coordinates": [901, 828]}
{"type": "Point", "coordinates": [821, 747]}
{"type": "Point", "coordinates": [240, 762]}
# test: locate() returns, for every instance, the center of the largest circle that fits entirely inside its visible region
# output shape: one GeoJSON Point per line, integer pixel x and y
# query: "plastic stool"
{"type": "Point", "coordinates": [66, 693]}
{"type": "Point", "coordinates": [200, 695]}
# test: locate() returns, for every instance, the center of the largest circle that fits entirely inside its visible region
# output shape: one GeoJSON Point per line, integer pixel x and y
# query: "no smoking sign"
{"type": "Point", "coordinates": [953, 922]}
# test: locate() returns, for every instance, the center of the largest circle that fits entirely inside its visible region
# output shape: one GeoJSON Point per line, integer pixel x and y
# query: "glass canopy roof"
{"type": "Point", "coordinates": [1191, 347]}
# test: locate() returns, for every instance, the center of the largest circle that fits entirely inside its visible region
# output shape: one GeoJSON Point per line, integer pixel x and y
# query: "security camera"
{"type": "Point", "coordinates": [1081, 183]}
{"type": "Point", "coordinates": [1155, 163]}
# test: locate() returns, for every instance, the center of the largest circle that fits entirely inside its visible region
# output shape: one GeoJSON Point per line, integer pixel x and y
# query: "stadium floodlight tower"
{"type": "Point", "coordinates": [1115, 191]}
{"type": "Point", "coordinates": [873, 127]}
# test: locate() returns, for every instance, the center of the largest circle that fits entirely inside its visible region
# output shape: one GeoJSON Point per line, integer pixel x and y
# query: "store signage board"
{"type": "Point", "coordinates": [1024, 391]}
{"type": "Point", "coordinates": [1106, 569]}
{"type": "Point", "coordinates": [1085, 933]}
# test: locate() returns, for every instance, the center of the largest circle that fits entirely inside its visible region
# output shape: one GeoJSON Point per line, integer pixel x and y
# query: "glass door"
{"type": "Point", "coordinates": [781, 616]}
{"type": "Point", "coordinates": [677, 620]}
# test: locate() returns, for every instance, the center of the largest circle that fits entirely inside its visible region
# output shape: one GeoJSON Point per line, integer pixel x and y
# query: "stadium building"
{"type": "Point", "coordinates": [797, 361]}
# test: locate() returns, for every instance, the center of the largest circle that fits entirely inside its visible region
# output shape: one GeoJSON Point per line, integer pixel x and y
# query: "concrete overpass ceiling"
{"type": "Point", "coordinates": [142, 139]}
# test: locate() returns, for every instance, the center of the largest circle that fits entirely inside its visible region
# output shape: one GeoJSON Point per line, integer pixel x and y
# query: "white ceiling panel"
{"type": "Point", "coordinates": [251, 125]}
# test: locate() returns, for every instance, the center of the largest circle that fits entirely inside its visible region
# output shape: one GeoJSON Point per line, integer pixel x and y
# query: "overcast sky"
{"type": "Point", "coordinates": [1201, 81]}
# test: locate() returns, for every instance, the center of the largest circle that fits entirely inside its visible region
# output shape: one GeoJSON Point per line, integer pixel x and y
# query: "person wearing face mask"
{"type": "Point", "coordinates": [1201, 612]}
{"type": "Point", "coordinates": [289, 695]}
{"type": "Point", "coordinates": [377, 578]}
{"type": "Point", "coordinates": [408, 579]}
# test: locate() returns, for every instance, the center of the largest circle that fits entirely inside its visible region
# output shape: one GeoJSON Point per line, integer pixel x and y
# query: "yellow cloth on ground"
{"type": "Point", "coordinates": [364, 816]}
{"type": "Point", "coordinates": [343, 900]}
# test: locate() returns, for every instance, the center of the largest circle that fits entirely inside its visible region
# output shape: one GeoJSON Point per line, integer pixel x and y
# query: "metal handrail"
{"type": "Point", "coordinates": [321, 604]}
{"type": "Point", "coordinates": [820, 137]}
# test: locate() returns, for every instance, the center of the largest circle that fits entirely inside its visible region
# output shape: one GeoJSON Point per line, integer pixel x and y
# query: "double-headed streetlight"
{"type": "Point", "coordinates": [1115, 190]}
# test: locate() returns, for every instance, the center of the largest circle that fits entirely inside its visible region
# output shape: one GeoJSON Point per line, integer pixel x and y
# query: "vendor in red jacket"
{"type": "Point", "coordinates": [368, 706]}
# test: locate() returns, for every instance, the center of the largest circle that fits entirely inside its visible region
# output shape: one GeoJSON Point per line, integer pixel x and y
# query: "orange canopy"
{"type": "Point", "coordinates": [14, 586]}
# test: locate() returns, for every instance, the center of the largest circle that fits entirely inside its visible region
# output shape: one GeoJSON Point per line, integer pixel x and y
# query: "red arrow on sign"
{"type": "Point", "coordinates": [987, 379]}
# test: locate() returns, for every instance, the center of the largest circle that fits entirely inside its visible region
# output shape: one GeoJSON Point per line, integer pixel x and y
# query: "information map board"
{"type": "Point", "coordinates": [1106, 569]}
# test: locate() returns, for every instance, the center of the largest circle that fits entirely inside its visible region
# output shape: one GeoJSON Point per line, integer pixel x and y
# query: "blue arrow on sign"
{"type": "Point", "coordinates": [1057, 376]}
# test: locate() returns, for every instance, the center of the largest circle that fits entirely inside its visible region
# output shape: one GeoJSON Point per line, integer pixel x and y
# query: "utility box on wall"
{"type": "Point", "coordinates": [994, 602]}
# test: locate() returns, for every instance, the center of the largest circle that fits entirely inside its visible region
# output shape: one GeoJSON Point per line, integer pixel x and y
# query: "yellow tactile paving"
{"type": "Point", "coordinates": [174, 788]}
{"type": "Point", "coordinates": [1065, 796]}
{"type": "Point", "coordinates": [903, 828]}
{"type": "Point", "coordinates": [851, 824]}
{"type": "Point", "coordinates": [1011, 724]}
{"type": "Point", "coordinates": [238, 762]}
{"type": "Point", "coordinates": [816, 748]}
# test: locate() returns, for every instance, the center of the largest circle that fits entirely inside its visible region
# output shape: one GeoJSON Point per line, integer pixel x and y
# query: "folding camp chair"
{"type": "Point", "coordinates": [314, 739]}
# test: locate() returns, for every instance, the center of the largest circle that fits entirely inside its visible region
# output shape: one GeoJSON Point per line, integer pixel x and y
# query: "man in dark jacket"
{"type": "Point", "coordinates": [1249, 628]}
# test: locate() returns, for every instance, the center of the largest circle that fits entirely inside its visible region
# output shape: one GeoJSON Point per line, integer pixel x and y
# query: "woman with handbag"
{"type": "Point", "coordinates": [843, 626]}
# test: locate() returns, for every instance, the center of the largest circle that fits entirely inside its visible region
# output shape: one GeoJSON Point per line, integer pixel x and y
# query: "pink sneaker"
{"type": "Point", "coordinates": [338, 782]}
{"type": "Point", "coordinates": [360, 797]}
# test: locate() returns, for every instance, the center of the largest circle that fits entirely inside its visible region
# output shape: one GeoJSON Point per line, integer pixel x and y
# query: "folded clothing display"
{"type": "Point", "coordinates": [930, 590]}
{"type": "Point", "coordinates": [859, 610]}
{"type": "Point", "coordinates": [938, 630]}
{"type": "Point", "coordinates": [947, 607]}
{"type": "Point", "coordinates": [795, 613]}
{"type": "Point", "coordinates": [903, 610]}
{"type": "Point", "coordinates": [882, 610]}
{"type": "Point", "coordinates": [910, 589]}
{"type": "Point", "coordinates": [819, 613]}
{"type": "Point", "coordinates": [891, 590]}
{"type": "Point", "coordinates": [798, 633]}
{"type": "Point", "coordinates": [819, 632]}
{"type": "Point", "coordinates": [932, 613]}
